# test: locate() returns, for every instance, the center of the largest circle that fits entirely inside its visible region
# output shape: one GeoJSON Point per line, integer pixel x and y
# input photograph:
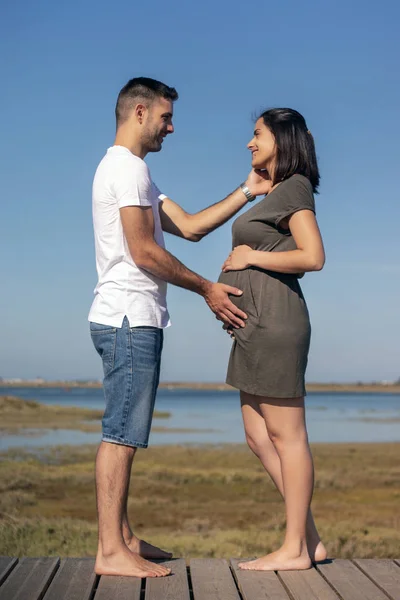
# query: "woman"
{"type": "Point", "coordinates": [275, 243]}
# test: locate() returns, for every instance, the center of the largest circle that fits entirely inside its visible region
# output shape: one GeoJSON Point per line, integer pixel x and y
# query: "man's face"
{"type": "Point", "coordinates": [158, 124]}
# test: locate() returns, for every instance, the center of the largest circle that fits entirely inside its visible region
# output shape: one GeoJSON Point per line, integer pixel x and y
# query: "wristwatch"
{"type": "Point", "coordinates": [247, 192]}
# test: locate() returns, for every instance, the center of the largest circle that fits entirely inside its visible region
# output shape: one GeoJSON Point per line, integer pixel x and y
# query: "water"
{"type": "Point", "coordinates": [331, 417]}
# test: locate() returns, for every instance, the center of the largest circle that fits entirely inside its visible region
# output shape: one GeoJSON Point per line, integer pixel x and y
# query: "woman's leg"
{"type": "Point", "coordinates": [260, 444]}
{"type": "Point", "coordinates": [285, 424]}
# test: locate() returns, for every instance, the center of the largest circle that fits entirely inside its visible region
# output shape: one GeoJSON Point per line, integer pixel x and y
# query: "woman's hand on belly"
{"type": "Point", "coordinates": [238, 259]}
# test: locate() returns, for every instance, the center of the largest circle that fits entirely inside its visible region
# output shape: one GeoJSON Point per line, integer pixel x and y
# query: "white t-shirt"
{"type": "Point", "coordinates": [123, 289]}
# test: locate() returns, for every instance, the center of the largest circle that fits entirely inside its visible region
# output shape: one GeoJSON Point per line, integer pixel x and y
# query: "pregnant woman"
{"type": "Point", "coordinates": [274, 243]}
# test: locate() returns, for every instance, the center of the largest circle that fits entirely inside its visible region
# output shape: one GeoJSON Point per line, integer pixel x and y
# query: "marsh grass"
{"type": "Point", "coordinates": [200, 501]}
{"type": "Point", "coordinates": [17, 415]}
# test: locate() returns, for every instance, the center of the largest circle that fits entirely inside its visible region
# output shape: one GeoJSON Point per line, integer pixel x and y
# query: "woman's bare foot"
{"type": "Point", "coordinates": [129, 564]}
{"type": "Point", "coordinates": [146, 550]}
{"type": "Point", "coordinates": [315, 547]}
{"type": "Point", "coordinates": [281, 560]}
{"type": "Point", "coordinates": [316, 550]}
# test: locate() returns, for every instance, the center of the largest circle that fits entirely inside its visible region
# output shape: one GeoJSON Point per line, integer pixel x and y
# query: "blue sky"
{"type": "Point", "coordinates": [63, 66]}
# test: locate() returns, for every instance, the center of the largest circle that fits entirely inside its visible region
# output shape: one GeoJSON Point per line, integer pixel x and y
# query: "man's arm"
{"type": "Point", "coordinates": [194, 227]}
{"type": "Point", "coordinates": [138, 226]}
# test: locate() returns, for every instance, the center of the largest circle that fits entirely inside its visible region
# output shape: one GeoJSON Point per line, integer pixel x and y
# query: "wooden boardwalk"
{"type": "Point", "coordinates": [204, 579]}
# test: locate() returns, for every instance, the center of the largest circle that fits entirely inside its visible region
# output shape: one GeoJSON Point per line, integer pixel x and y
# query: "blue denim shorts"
{"type": "Point", "coordinates": [131, 364]}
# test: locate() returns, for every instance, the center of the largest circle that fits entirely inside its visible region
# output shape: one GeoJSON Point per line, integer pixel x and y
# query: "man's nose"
{"type": "Point", "coordinates": [171, 128]}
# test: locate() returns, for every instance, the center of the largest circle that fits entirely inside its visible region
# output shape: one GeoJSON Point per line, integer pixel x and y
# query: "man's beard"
{"type": "Point", "coordinates": [151, 141]}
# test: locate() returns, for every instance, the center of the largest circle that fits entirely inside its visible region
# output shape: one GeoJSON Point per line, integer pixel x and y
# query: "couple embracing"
{"type": "Point", "coordinates": [258, 298]}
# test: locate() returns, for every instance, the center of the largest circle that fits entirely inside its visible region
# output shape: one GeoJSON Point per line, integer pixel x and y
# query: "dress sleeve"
{"type": "Point", "coordinates": [297, 195]}
{"type": "Point", "coordinates": [132, 183]}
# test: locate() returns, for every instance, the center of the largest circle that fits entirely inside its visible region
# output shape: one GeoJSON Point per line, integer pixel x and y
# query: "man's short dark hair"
{"type": "Point", "coordinates": [295, 145]}
{"type": "Point", "coordinates": [141, 89]}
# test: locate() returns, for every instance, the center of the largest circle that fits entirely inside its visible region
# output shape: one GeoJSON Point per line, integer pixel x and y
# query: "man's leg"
{"type": "Point", "coordinates": [129, 392]}
{"type": "Point", "coordinates": [113, 465]}
{"type": "Point", "coordinates": [145, 348]}
{"type": "Point", "coordinates": [134, 543]}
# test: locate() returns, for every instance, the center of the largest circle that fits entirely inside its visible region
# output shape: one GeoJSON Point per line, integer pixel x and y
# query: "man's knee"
{"type": "Point", "coordinates": [111, 450]}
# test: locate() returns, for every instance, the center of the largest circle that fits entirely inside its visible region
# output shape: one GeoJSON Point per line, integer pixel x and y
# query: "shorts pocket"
{"type": "Point", "coordinates": [146, 343]}
{"type": "Point", "coordinates": [104, 339]}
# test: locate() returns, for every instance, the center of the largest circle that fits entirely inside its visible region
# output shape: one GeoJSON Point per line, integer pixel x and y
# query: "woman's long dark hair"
{"type": "Point", "coordinates": [295, 145]}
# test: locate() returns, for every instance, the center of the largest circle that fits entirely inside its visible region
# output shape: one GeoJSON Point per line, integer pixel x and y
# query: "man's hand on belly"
{"type": "Point", "coordinates": [218, 300]}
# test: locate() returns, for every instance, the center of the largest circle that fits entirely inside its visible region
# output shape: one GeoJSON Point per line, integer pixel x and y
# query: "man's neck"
{"type": "Point", "coordinates": [121, 139]}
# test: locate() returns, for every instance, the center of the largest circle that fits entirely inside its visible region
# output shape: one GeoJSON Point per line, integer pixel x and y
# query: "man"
{"type": "Point", "coordinates": [129, 311]}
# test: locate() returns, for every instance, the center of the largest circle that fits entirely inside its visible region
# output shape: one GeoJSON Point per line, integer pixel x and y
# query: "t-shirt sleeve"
{"type": "Point", "coordinates": [159, 195]}
{"type": "Point", "coordinates": [298, 195]}
{"type": "Point", "coordinates": [132, 183]}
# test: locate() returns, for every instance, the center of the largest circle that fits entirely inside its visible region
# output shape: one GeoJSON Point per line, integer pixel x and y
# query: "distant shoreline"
{"type": "Point", "coordinates": [174, 385]}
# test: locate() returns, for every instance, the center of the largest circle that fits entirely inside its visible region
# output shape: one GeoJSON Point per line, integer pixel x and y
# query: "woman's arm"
{"type": "Point", "coordinates": [309, 255]}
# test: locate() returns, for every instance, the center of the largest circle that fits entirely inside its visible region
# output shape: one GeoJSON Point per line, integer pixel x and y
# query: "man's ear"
{"type": "Point", "coordinates": [140, 110]}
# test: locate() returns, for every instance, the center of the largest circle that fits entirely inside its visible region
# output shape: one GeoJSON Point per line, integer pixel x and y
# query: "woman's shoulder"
{"type": "Point", "coordinates": [298, 182]}
{"type": "Point", "coordinates": [296, 194]}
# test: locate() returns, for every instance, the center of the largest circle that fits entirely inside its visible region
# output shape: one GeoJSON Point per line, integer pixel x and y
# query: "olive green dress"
{"type": "Point", "coordinates": [269, 355]}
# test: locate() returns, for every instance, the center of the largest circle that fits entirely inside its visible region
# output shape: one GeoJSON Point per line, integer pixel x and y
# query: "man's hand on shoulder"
{"type": "Point", "coordinates": [258, 182]}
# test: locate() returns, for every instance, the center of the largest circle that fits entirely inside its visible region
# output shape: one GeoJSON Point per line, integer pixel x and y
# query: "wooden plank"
{"type": "Point", "coordinates": [307, 585]}
{"type": "Point", "coordinates": [212, 579]}
{"type": "Point", "coordinates": [113, 587]}
{"type": "Point", "coordinates": [6, 566]}
{"type": "Point", "coordinates": [172, 587]}
{"type": "Point", "coordinates": [384, 572]}
{"type": "Point", "coordinates": [30, 579]}
{"type": "Point", "coordinates": [349, 581]}
{"type": "Point", "coordinates": [257, 585]}
{"type": "Point", "coordinates": [75, 580]}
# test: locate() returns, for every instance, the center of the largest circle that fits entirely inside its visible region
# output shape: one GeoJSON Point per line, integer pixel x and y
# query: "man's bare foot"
{"type": "Point", "coordinates": [127, 563]}
{"type": "Point", "coordinates": [146, 550]}
{"type": "Point", "coordinates": [281, 560]}
{"type": "Point", "coordinates": [317, 550]}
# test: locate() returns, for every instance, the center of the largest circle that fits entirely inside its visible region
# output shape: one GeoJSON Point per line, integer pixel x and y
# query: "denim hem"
{"type": "Point", "coordinates": [116, 440]}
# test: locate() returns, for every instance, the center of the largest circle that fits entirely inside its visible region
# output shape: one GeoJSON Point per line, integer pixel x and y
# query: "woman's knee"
{"type": "Point", "coordinates": [285, 437]}
{"type": "Point", "coordinates": [257, 444]}
{"type": "Point", "coordinates": [251, 443]}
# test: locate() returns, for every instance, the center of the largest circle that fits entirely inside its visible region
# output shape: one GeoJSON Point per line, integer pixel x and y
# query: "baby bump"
{"type": "Point", "coordinates": [241, 280]}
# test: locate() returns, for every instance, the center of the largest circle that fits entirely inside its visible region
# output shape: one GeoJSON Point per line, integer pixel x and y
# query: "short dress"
{"type": "Point", "coordinates": [269, 356]}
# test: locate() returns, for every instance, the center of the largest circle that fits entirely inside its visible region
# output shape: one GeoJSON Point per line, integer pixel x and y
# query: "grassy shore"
{"type": "Point", "coordinates": [208, 501]}
{"type": "Point", "coordinates": [344, 388]}
{"type": "Point", "coordinates": [18, 415]}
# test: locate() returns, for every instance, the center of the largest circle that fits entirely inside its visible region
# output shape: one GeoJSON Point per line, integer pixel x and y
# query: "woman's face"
{"type": "Point", "coordinates": [262, 148]}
